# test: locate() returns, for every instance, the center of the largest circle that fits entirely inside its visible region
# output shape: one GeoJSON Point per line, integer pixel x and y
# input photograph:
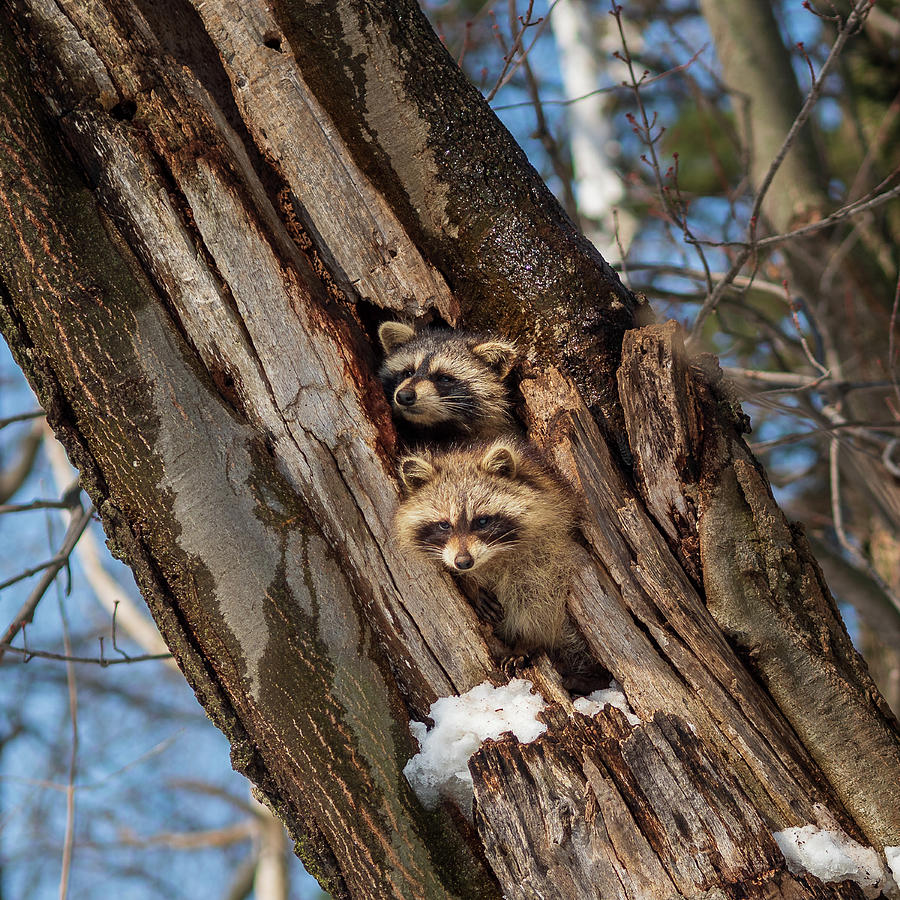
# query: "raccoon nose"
{"type": "Point", "coordinates": [406, 397]}
{"type": "Point", "coordinates": [463, 561]}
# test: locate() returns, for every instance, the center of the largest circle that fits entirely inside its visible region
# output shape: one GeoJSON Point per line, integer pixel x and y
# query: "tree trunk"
{"type": "Point", "coordinates": [205, 208]}
{"type": "Point", "coordinates": [845, 280]}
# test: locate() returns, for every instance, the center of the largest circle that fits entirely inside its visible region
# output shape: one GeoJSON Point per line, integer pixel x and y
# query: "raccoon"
{"type": "Point", "coordinates": [495, 515]}
{"type": "Point", "coordinates": [446, 385]}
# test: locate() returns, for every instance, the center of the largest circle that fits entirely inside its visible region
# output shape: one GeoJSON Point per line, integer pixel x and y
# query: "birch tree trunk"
{"type": "Point", "coordinates": [207, 207]}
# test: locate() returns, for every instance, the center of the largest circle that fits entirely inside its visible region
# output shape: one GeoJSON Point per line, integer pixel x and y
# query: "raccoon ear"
{"type": "Point", "coordinates": [501, 356]}
{"type": "Point", "coordinates": [394, 334]}
{"type": "Point", "coordinates": [415, 471]}
{"type": "Point", "coordinates": [501, 460]}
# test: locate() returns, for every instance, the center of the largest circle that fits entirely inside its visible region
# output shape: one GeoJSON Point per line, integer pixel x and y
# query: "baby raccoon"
{"type": "Point", "coordinates": [497, 516]}
{"type": "Point", "coordinates": [446, 384]}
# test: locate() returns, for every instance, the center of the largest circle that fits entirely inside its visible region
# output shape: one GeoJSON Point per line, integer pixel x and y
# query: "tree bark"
{"type": "Point", "coordinates": [205, 208]}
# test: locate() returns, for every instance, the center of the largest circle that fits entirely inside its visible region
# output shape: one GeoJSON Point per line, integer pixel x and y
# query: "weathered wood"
{"type": "Point", "coordinates": [646, 623]}
{"type": "Point", "coordinates": [596, 808]}
{"type": "Point", "coordinates": [658, 402]}
{"type": "Point", "coordinates": [762, 585]}
{"type": "Point", "coordinates": [410, 119]}
{"type": "Point", "coordinates": [223, 448]}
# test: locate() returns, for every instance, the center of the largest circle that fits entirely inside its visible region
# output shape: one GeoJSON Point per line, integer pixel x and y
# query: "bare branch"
{"type": "Point", "coordinates": [508, 72]}
{"type": "Point", "coordinates": [21, 417]}
{"type": "Point", "coordinates": [28, 654]}
{"type": "Point", "coordinates": [840, 215]}
{"type": "Point", "coordinates": [34, 504]}
{"type": "Point", "coordinates": [837, 515]}
{"type": "Point", "coordinates": [26, 613]}
{"type": "Point", "coordinates": [845, 29]}
{"type": "Point", "coordinates": [69, 839]}
{"type": "Point", "coordinates": [613, 88]}
{"type": "Point", "coordinates": [191, 840]}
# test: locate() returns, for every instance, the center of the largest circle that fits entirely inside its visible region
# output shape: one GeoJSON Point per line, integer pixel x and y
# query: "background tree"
{"type": "Point", "coordinates": [176, 288]}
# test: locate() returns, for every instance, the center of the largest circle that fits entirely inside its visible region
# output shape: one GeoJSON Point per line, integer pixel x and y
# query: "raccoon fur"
{"type": "Point", "coordinates": [445, 385]}
{"type": "Point", "coordinates": [495, 515]}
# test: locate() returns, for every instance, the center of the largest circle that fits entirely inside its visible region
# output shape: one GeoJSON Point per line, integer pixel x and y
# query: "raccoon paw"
{"type": "Point", "coordinates": [488, 607]}
{"type": "Point", "coordinates": [512, 666]}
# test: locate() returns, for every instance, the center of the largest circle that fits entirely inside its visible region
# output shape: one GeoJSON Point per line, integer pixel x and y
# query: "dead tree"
{"type": "Point", "coordinates": [207, 206]}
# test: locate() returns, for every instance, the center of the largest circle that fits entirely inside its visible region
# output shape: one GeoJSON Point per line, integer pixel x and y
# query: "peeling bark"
{"type": "Point", "coordinates": [263, 582]}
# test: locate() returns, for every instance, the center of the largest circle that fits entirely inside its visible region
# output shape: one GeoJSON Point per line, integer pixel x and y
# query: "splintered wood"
{"type": "Point", "coordinates": [596, 808]}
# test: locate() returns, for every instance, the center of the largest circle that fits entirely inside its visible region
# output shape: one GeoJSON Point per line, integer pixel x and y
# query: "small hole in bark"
{"type": "Point", "coordinates": [272, 40]}
{"type": "Point", "coordinates": [124, 111]}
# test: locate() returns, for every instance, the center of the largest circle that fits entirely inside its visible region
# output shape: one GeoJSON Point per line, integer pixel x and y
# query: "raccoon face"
{"type": "Point", "coordinates": [468, 540]}
{"type": "Point", "coordinates": [463, 519]}
{"type": "Point", "coordinates": [444, 378]}
{"type": "Point", "coordinates": [424, 392]}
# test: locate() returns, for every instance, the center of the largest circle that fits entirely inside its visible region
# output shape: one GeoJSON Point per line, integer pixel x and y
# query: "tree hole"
{"type": "Point", "coordinates": [272, 40]}
{"type": "Point", "coordinates": [124, 111]}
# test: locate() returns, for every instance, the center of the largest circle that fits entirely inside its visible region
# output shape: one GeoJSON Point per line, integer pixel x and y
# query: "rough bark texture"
{"type": "Point", "coordinates": [411, 121]}
{"type": "Point", "coordinates": [199, 386]}
{"type": "Point", "coordinates": [626, 813]}
{"type": "Point", "coordinates": [202, 205]}
{"type": "Point", "coordinates": [762, 584]}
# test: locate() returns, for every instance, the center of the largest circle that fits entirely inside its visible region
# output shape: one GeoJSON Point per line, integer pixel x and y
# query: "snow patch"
{"type": "Point", "coordinates": [461, 724]}
{"type": "Point", "coordinates": [892, 855]}
{"type": "Point", "coordinates": [831, 856]}
{"type": "Point", "coordinates": [611, 696]}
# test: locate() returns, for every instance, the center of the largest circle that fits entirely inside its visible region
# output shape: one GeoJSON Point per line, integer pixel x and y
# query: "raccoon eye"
{"type": "Point", "coordinates": [444, 526]}
{"type": "Point", "coordinates": [406, 373]}
{"type": "Point", "coordinates": [482, 521]}
{"type": "Point", "coordinates": [443, 378]}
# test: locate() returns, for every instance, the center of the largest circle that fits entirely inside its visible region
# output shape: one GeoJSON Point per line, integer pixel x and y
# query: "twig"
{"type": "Point", "coordinates": [69, 841]}
{"type": "Point", "coordinates": [676, 212]}
{"type": "Point", "coordinates": [541, 23]}
{"type": "Point", "coordinates": [857, 429]}
{"type": "Point", "coordinates": [29, 653]}
{"type": "Point", "coordinates": [77, 525]}
{"type": "Point", "coordinates": [510, 54]}
{"type": "Point", "coordinates": [741, 282]}
{"type": "Point", "coordinates": [623, 262]}
{"type": "Point", "coordinates": [21, 417]}
{"type": "Point", "coordinates": [837, 517]}
{"type": "Point", "coordinates": [845, 212]}
{"type": "Point", "coordinates": [613, 88]}
{"type": "Point", "coordinates": [792, 381]}
{"type": "Point", "coordinates": [34, 504]}
{"type": "Point", "coordinates": [795, 318]}
{"type": "Point", "coordinates": [191, 840]}
{"type": "Point", "coordinates": [848, 27]}
{"type": "Point", "coordinates": [887, 458]}
{"type": "Point", "coordinates": [561, 168]}
{"type": "Point", "coordinates": [874, 145]}
{"type": "Point", "coordinates": [13, 476]}
{"type": "Point", "coordinates": [856, 17]}
{"type": "Point", "coordinates": [892, 328]}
